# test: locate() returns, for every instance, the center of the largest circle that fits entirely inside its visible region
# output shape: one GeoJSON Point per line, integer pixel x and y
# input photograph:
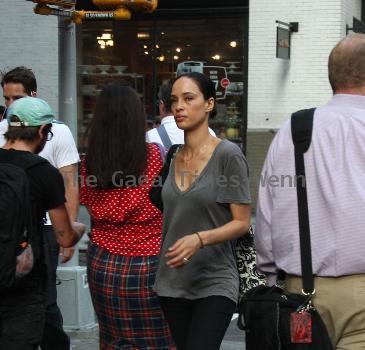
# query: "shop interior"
{"type": "Point", "coordinates": [147, 52]}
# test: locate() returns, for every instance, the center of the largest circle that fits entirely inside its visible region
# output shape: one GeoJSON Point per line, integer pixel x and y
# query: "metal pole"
{"type": "Point", "coordinates": [67, 103]}
{"type": "Point", "coordinates": [67, 75]}
{"type": "Point", "coordinates": [245, 84]}
{"type": "Point", "coordinates": [154, 72]}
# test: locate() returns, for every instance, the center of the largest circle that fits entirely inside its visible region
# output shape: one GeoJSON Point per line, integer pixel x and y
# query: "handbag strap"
{"type": "Point", "coordinates": [164, 136]}
{"type": "Point", "coordinates": [301, 128]}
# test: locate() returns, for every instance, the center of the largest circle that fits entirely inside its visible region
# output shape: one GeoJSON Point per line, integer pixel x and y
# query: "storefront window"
{"type": "Point", "coordinates": [147, 53]}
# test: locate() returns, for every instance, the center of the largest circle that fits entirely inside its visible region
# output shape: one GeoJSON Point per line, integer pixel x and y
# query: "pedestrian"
{"type": "Point", "coordinates": [22, 310]}
{"type": "Point", "coordinates": [62, 153]}
{"type": "Point", "coordinates": [335, 169]}
{"type": "Point", "coordinates": [116, 176]}
{"type": "Point", "coordinates": [206, 208]}
{"type": "Point", "coordinates": [167, 133]}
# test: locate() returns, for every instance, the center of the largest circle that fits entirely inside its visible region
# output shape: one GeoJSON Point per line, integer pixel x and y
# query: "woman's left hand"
{"type": "Point", "coordinates": [182, 251]}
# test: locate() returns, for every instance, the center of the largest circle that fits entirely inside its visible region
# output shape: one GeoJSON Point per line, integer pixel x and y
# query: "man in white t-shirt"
{"type": "Point", "coordinates": [167, 134]}
{"type": "Point", "coordinates": [62, 153]}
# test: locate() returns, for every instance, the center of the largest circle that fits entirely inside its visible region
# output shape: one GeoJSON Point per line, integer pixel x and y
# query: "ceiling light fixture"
{"type": "Point", "coordinates": [106, 39]}
{"type": "Point", "coordinates": [143, 35]}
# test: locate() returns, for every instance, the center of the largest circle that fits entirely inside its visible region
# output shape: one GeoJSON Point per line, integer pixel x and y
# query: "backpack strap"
{"type": "Point", "coordinates": [166, 141]}
{"type": "Point", "coordinates": [301, 128]}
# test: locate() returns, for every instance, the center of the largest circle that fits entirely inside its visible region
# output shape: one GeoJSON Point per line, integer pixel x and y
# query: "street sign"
{"type": "Point", "coordinates": [224, 83]}
{"type": "Point", "coordinates": [219, 77]}
{"type": "Point", "coordinates": [282, 43]}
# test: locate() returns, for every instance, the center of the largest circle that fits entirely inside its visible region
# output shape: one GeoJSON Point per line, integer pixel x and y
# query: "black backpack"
{"type": "Point", "coordinates": [18, 226]}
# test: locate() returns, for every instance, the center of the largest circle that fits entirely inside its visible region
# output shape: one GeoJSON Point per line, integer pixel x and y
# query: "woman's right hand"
{"type": "Point", "coordinates": [183, 250]}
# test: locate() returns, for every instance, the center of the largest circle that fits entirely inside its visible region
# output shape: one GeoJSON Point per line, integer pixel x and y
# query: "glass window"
{"type": "Point", "coordinates": [147, 53]}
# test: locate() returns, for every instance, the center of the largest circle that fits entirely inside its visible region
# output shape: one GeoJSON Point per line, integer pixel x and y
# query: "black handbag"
{"type": "Point", "coordinates": [271, 318]}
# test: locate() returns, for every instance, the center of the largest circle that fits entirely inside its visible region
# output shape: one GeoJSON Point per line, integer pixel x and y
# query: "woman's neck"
{"type": "Point", "coordinates": [197, 140]}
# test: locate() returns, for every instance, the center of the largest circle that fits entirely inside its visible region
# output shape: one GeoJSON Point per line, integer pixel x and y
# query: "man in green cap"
{"type": "Point", "coordinates": [22, 305]}
{"type": "Point", "coordinates": [62, 153]}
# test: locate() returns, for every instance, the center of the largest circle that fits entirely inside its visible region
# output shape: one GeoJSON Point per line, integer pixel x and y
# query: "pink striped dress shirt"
{"type": "Point", "coordinates": [335, 174]}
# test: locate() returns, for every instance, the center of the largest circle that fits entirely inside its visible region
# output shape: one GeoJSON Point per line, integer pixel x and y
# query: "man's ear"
{"type": "Point", "coordinates": [40, 131]}
{"type": "Point", "coordinates": [33, 93]}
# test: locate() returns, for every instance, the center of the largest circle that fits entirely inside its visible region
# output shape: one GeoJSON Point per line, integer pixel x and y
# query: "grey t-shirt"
{"type": "Point", "coordinates": [203, 206]}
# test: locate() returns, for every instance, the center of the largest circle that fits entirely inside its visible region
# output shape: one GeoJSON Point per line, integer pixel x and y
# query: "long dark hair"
{"type": "Point", "coordinates": [205, 85]}
{"type": "Point", "coordinates": [116, 139]}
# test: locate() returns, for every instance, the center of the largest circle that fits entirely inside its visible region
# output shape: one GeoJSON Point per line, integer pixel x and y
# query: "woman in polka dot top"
{"type": "Point", "coordinates": [116, 177]}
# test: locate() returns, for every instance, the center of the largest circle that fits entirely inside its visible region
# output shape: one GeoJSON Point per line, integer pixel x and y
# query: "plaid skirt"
{"type": "Point", "coordinates": [128, 310]}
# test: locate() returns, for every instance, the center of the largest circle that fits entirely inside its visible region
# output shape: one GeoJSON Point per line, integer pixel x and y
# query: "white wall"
{"type": "Point", "coordinates": [350, 9]}
{"type": "Point", "coordinates": [30, 40]}
{"type": "Point", "coordinates": [277, 87]}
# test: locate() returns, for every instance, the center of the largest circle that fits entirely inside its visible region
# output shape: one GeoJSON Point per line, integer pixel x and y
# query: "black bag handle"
{"type": "Point", "coordinates": [155, 192]}
{"type": "Point", "coordinates": [301, 128]}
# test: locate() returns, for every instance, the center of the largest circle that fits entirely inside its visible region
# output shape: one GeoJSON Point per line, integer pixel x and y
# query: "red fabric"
{"type": "Point", "coordinates": [125, 221]}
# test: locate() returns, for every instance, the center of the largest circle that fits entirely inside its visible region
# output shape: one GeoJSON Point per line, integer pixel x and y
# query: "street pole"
{"type": "Point", "coordinates": [67, 82]}
{"type": "Point", "coordinates": [67, 102]}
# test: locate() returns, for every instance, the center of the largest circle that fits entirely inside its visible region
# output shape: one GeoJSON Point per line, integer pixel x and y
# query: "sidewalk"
{"type": "Point", "coordinates": [89, 340]}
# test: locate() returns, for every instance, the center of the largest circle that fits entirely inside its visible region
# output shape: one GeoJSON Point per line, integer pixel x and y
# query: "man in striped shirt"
{"type": "Point", "coordinates": [335, 173]}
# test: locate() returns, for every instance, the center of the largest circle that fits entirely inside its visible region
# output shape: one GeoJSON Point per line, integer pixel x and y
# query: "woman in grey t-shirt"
{"type": "Point", "coordinates": [206, 207]}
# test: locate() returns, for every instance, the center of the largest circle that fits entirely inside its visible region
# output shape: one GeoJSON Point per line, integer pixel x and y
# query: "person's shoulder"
{"type": "Point", "coordinates": [3, 128]}
{"type": "Point", "coordinates": [41, 165]}
{"type": "Point", "coordinates": [25, 159]}
{"type": "Point", "coordinates": [152, 136]}
{"type": "Point", "coordinates": [152, 147]}
{"type": "Point", "coordinates": [60, 128]}
{"type": "Point", "coordinates": [39, 168]}
{"type": "Point", "coordinates": [155, 151]}
{"type": "Point", "coordinates": [4, 124]}
{"type": "Point", "coordinates": [229, 149]}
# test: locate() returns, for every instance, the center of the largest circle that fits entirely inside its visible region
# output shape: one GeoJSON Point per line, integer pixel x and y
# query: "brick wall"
{"type": "Point", "coordinates": [30, 40]}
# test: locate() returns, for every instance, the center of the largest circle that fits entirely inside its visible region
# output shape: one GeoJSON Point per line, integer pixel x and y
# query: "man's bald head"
{"type": "Point", "coordinates": [346, 64]}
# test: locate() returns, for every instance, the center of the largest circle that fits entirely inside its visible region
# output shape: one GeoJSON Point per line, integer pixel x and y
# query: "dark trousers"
{"type": "Point", "coordinates": [22, 315]}
{"type": "Point", "coordinates": [54, 337]}
{"type": "Point", "coordinates": [198, 324]}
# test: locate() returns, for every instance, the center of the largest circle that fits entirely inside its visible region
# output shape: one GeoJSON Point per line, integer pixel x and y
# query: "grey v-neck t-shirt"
{"type": "Point", "coordinates": [203, 206]}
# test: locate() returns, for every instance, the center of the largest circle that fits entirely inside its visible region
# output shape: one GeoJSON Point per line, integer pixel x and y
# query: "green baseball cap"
{"type": "Point", "coordinates": [31, 111]}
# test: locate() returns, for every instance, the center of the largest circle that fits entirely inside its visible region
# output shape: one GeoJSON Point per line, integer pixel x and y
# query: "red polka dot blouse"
{"type": "Point", "coordinates": [125, 222]}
